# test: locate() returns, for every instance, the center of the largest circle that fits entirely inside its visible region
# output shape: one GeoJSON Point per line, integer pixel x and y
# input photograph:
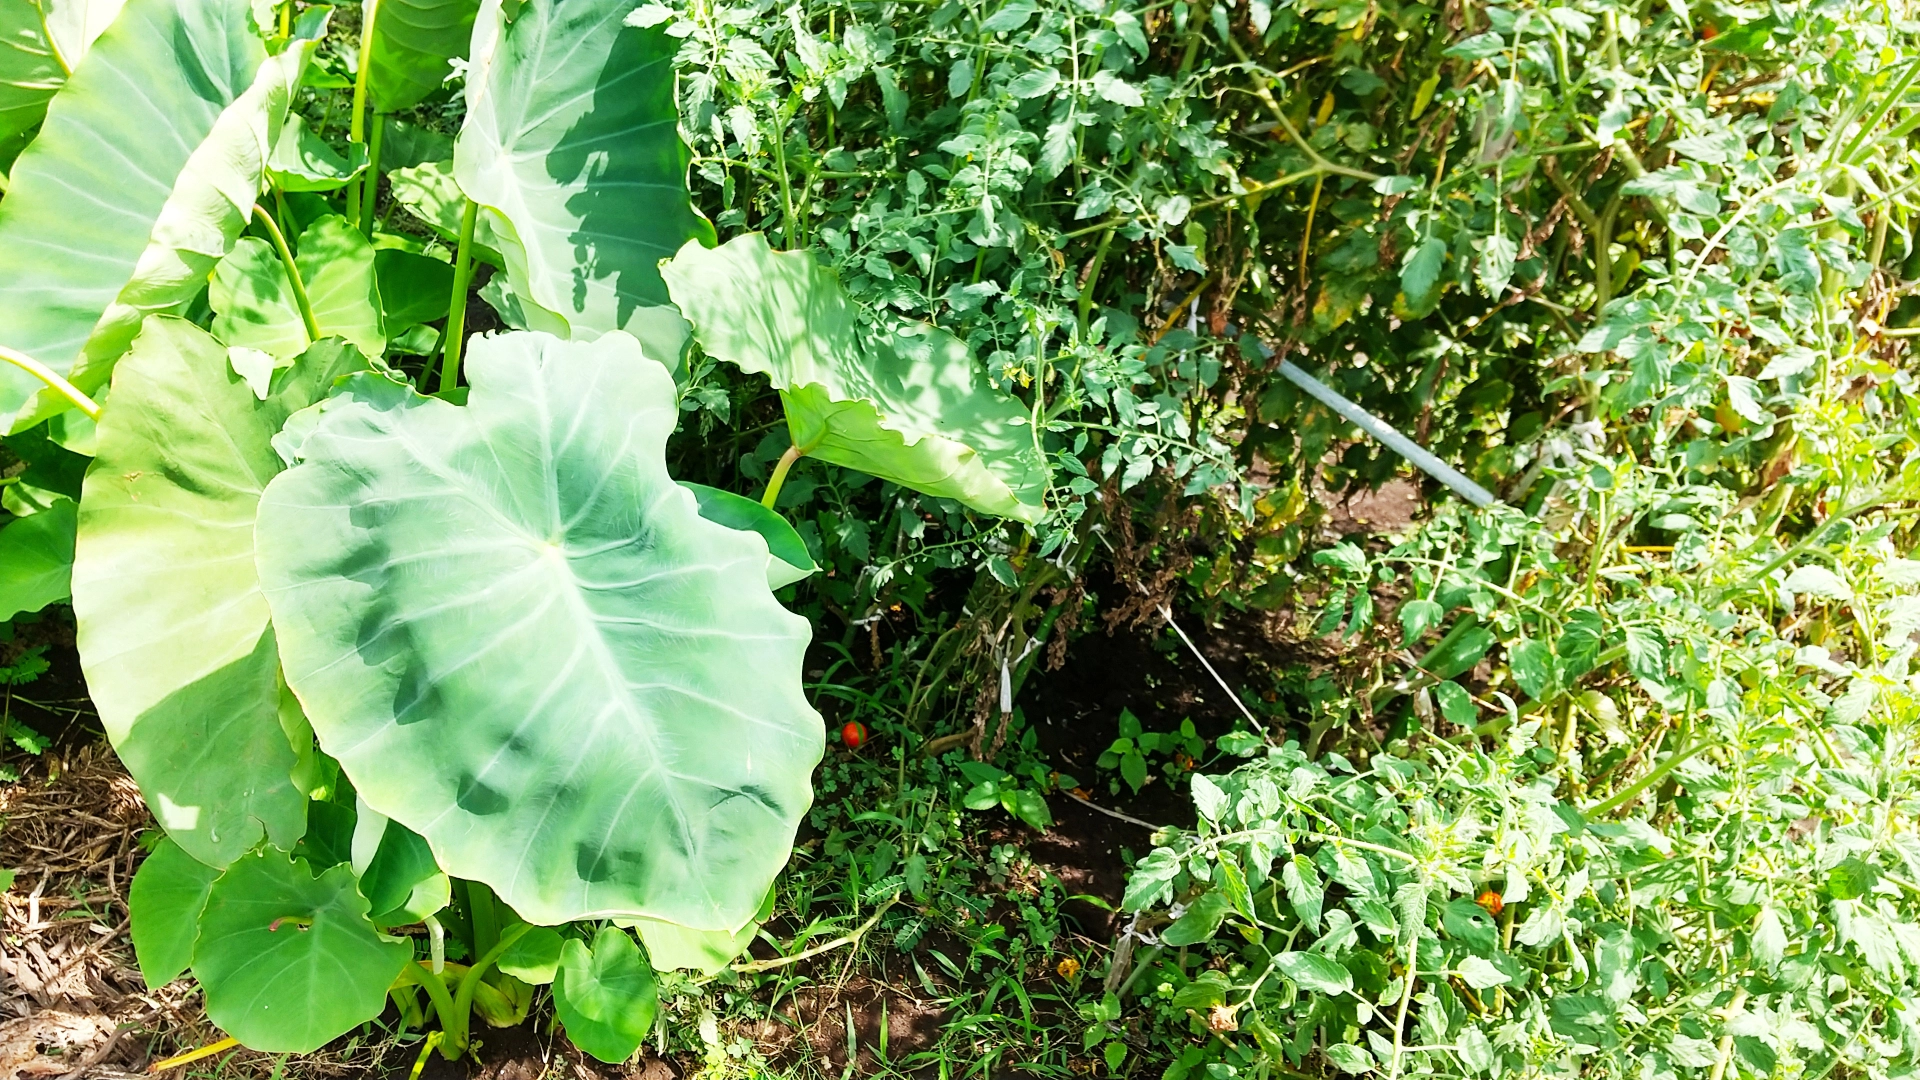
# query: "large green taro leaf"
{"type": "Point", "coordinates": [254, 305]}
{"type": "Point", "coordinates": [907, 407]}
{"type": "Point", "coordinates": [413, 40]}
{"type": "Point", "coordinates": [289, 960]}
{"type": "Point", "coordinates": [139, 182]}
{"type": "Point", "coordinates": [173, 632]}
{"type": "Point", "coordinates": [41, 42]}
{"type": "Point", "coordinates": [571, 145]}
{"type": "Point", "coordinates": [521, 640]}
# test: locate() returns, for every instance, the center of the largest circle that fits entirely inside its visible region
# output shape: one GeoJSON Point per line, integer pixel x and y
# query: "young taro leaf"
{"type": "Point", "coordinates": [173, 632]}
{"type": "Point", "coordinates": [302, 161]}
{"type": "Point", "coordinates": [787, 557]}
{"type": "Point", "coordinates": [140, 180]}
{"type": "Point", "coordinates": [36, 559]}
{"type": "Point", "coordinates": [413, 42]}
{"type": "Point", "coordinates": [288, 960]}
{"type": "Point", "coordinates": [606, 995]}
{"type": "Point", "coordinates": [906, 407]}
{"type": "Point", "coordinates": [253, 301]}
{"type": "Point", "coordinates": [518, 637]}
{"type": "Point", "coordinates": [163, 907]}
{"type": "Point", "coordinates": [571, 146]}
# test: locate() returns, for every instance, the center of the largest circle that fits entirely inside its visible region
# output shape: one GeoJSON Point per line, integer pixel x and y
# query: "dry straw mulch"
{"type": "Point", "coordinates": [72, 1002]}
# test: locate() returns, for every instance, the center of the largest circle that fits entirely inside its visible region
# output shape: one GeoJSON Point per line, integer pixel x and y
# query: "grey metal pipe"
{"type": "Point", "coordinates": [1395, 441]}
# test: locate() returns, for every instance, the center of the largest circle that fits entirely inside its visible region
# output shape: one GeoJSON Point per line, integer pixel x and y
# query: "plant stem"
{"type": "Point", "coordinates": [1726, 1041]}
{"type": "Point", "coordinates": [1306, 234]}
{"type": "Point", "coordinates": [293, 272]}
{"type": "Point", "coordinates": [1658, 774]}
{"type": "Point", "coordinates": [426, 1050]}
{"type": "Point", "coordinates": [486, 920]}
{"type": "Point", "coordinates": [1406, 998]}
{"type": "Point", "coordinates": [372, 179]}
{"type": "Point", "coordinates": [53, 380]}
{"type": "Point", "coordinates": [1093, 277]}
{"type": "Point", "coordinates": [470, 982]}
{"type": "Point", "coordinates": [793, 454]}
{"type": "Point", "coordinates": [788, 224]}
{"type": "Point", "coordinates": [455, 334]}
{"type": "Point", "coordinates": [1261, 91]}
{"type": "Point", "coordinates": [357, 124]}
{"type": "Point", "coordinates": [280, 208]}
{"type": "Point", "coordinates": [436, 989]}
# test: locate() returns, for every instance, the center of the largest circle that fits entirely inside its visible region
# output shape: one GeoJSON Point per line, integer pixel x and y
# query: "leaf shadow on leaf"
{"type": "Point", "coordinates": [212, 811]}
{"type": "Point", "coordinates": [629, 618]}
{"type": "Point", "coordinates": [633, 95]}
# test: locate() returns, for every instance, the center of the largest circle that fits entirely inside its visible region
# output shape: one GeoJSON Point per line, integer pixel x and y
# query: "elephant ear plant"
{"type": "Point", "coordinates": [516, 640]}
{"type": "Point", "coordinates": [444, 694]}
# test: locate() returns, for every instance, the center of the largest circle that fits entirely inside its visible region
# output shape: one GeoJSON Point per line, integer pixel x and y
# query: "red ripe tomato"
{"type": "Point", "coordinates": [854, 734]}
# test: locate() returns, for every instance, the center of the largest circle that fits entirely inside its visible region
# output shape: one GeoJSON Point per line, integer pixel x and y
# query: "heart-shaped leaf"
{"type": "Point", "coordinates": [288, 960]}
{"type": "Point", "coordinates": [163, 909]}
{"type": "Point", "coordinates": [254, 305]}
{"type": "Point", "coordinates": [572, 146]}
{"type": "Point", "coordinates": [519, 638]}
{"type": "Point", "coordinates": [139, 182]}
{"type": "Point", "coordinates": [906, 406]}
{"type": "Point", "coordinates": [36, 559]}
{"type": "Point", "coordinates": [605, 995]}
{"type": "Point", "coordinates": [413, 42]}
{"type": "Point", "coordinates": [173, 632]}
